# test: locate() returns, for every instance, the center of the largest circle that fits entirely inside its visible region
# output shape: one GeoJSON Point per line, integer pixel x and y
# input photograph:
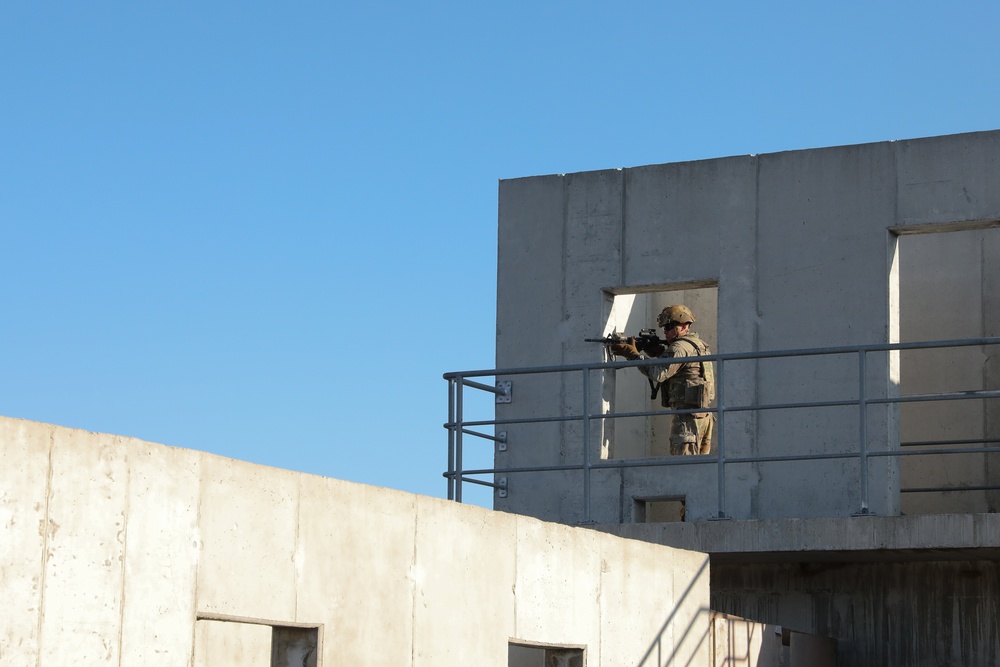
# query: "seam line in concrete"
{"type": "Point", "coordinates": [124, 556]}
{"type": "Point", "coordinates": [197, 565]}
{"type": "Point", "coordinates": [413, 585]}
{"type": "Point", "coordinates": [295, 548]}
{"type": "Point", "coordinates": [45, 547]}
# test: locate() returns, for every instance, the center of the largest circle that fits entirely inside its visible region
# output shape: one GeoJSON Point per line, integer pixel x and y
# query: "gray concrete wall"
{"type": "Point", "coordinates": [802, 248]}
{"type": "Point", "coordinates": [920, 614]}
{"type": "Point", "coordinates": [122, 552]}
{"type": "Point", "coordinates": [907, 590]}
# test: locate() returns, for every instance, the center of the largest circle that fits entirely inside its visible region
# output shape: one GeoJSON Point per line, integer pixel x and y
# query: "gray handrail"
{"type": "Point", "coordinates": [456, 425]}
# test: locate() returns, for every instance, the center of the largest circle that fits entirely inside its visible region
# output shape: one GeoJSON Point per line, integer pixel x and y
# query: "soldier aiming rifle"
{"type": "Point", "coordinates": [689, 385]}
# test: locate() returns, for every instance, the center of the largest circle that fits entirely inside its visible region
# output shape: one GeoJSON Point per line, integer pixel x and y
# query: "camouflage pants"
{"type": "Point", "coordinates": [689, 435]}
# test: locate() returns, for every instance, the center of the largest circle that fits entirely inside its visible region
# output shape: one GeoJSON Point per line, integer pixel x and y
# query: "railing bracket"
{"type": "Point", "coordinates": [502, 487]}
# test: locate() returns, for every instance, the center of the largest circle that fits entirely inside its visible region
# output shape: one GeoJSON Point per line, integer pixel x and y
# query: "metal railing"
{"type": "Point", "coordinates": [458, 426]}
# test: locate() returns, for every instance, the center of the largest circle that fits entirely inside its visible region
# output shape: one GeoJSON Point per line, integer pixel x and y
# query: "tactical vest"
{"type": "Point", "coordinates": [693, 385]}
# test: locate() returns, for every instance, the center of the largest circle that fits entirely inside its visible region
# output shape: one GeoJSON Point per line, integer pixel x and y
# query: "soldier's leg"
{"type": "Point", "coordinates": [683, 435]}
{"type": "Point", "coordinates": [705, 426]}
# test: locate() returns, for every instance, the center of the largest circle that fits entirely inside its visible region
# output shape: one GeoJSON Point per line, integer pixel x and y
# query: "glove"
{"type": "Point", "coordinates": [625, 348]}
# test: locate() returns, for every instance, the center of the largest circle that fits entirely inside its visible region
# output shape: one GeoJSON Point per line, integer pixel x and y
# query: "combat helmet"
{"type": "Point", "coordinates": [677, 314]}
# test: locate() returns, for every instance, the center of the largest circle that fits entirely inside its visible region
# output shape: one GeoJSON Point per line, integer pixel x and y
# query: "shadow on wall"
{"type": "Point", "coordinates": [684, 646]}
{"type": "Point", "coordinates": [737, 641]}
{"type": "Point", "coordinates": [733, 641]}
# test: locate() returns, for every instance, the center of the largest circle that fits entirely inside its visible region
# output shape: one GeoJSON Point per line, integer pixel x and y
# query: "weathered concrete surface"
{"type": "Point", "coordinates": [228, 643]}
{"type": "Point", "coordinates": [122, 552]}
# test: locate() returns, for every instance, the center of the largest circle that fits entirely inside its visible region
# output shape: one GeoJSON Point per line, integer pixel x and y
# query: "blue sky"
{"type": "Point", "coordinates": [266, 230]}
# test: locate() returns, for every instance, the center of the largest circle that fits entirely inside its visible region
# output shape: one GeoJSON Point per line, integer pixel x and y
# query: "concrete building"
{"type": "Point", "coordinates": [117, 551]}
{"type": "Point", "coordinates": [840, 499]}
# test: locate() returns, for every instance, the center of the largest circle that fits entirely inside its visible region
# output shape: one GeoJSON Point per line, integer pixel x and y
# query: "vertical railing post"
{"type": "Point", "coordinates": [460, 391]}
{"type": "Point", "coordinates": [451, 439]}
{"type": "Point", "coordinates": [863, 428]}
{"type": "Point", "coordinates": [721, 437]}
{"type": "Point", "coordinates": [586, 445]}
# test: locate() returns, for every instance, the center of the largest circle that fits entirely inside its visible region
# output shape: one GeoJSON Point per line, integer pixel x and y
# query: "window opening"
{"type": "Point", "coordinates": [628, 390]}
{"type": "Point", "coordinates": [254, 643]}
{"type": "Point", "coordinates": [660, 510]}
{"type": "Point", "coordinates": [530, 655]}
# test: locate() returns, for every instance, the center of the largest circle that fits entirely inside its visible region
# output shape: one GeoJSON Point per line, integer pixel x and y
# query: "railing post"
{"type": "Point", "coordinates": [586, 445]}
{"type": "Point", "coordinates": [863, 428]}
{"type": "Point", "coordinates": [721, 438]}
{"type": "Point", "coordinates": [458, 438]}
{"type": "Point", "coordinates": [451, 439]}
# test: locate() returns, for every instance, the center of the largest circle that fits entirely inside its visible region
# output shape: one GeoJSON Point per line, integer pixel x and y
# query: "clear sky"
{"type": "Point", "coordinates": [265, 230]}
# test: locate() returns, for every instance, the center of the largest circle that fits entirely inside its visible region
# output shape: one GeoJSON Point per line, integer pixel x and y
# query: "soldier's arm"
{"type": "Point", "coordinates": [662, 372]}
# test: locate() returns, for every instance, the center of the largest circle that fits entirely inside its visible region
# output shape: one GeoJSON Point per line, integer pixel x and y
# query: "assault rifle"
{"type": "Point", "coordinates": [645, 340]}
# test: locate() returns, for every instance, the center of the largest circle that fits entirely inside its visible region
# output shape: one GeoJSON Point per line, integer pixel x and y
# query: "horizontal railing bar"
{"type": "Point", "coordinates": [768, 354]}
{"type": "Point", "coordinates": [666, 461]}
{"type": "Point", "coordinates": [709, 459]}
{"type": "Point", "coordinates": [472, 480]}
{"type": "Point", "coordinates": [922, 398]}
{"type": "Point", "coordinates": [944, 489]}
{"type": "Point", "coordinates": [924, 443]}
{"type": "Point", "coordinates": [792, 457]}
{"type": "Point", "coordinates": [523, 420]}
{"type": "Point", "coordinates": [497, 471]}
{"type": "Point", "coordinates": [928, 452]}
{"type": "Point", "coordinates": [925, 398]}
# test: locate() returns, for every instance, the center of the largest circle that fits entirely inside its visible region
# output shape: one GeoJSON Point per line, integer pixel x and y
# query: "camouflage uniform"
{"type": "Point", "coordinates": [686, 386]}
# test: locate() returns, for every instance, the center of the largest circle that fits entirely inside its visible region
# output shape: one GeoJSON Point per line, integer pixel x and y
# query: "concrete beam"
{"type": "Point", "coordinates": [878, 538]}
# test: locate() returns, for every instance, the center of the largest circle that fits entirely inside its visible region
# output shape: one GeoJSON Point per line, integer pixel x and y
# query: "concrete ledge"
{"type": "Point", "coordinates": [877, 538]}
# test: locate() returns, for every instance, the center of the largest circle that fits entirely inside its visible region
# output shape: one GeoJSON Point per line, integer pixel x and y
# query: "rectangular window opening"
{"type": "Point", "coordinates": [255, 643]}
{"type": "Point", "coordinates": [537, 655]}
{"type": "Point", "coordinates": [660, 510]}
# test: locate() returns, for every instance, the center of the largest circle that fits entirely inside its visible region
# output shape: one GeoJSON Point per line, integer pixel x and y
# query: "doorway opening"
{"type": "Point", "coordinates": [949, 288]}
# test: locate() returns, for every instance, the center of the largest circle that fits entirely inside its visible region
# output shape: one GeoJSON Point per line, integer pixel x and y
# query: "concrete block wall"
{"type": "Point", "coordinates": [122, 552]}
{"type": "Point", "coordinates": [802, 249]}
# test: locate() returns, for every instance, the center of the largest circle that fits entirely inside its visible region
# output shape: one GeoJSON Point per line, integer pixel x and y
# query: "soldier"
{"type": "Point", "coordinates": [688, 385]}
